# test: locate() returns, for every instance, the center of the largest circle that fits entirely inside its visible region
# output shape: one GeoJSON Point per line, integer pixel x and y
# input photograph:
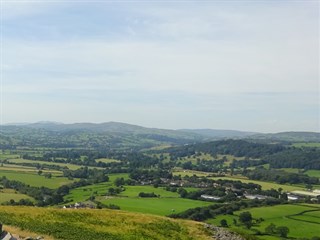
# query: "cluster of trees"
{"type": "Point", "coordinates": [238, 148]}
{"type": "Point", "coordinates": [272, 229]}
{"type": "Point", "coordinates": [204, 213]}
{"type": "Point", "coordinates": [204, 165]}
{"type": "Point", "coordinates": [280, 176]}
{"type": "Point", "coordinates": [149, 175]}
{"type": "Point", "coordinates": [94, 175]}
{"type": "Point", "coordinates": [148, 195]}
{"type": "Point", "coordinates": [44, 196]}
{"type": "Point", "coordinates": [303, 158]}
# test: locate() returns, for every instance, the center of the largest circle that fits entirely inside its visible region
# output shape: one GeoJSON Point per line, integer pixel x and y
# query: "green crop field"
{"type": "Point", "coordinates": [300, 223]}
{"type": "Point", "coordinates": [79, 224]}
{"type": "Point", "coordinates": [8, 194]}
{"type": "Point", "coordinates": [157, 206]}
{"type": "Point", "coordinates": [34, 179]}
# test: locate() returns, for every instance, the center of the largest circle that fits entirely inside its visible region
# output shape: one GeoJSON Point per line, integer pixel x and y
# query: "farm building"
{"type": "Point", "coordinates": [209, 197]}
{"type": "Point", "coordinates": [255, 196]}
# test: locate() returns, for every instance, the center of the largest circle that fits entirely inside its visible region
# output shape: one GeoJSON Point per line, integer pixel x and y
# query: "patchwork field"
{"type": "Point", "coordinates": [302, 220]}
{"type": "Point", "coordinates": [68, 165]}
{"type": "Point", "coordinates": [83, 193]}
{"type": "Point", "coordinates": [33, 179]}
{"type": "Point", "coordinates": [8, 194]}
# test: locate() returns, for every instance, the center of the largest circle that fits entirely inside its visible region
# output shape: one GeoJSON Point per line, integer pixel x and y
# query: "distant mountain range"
{"type": "Point", "coordinates": [116, 134]}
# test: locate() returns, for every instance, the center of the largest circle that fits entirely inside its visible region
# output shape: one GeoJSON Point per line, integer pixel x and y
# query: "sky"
{"type": "Point", "coordinates": [244, 65]}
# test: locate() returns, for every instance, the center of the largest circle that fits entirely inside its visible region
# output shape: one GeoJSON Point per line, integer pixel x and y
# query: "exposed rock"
{"type": "Point", "coordinates": [222, 233]}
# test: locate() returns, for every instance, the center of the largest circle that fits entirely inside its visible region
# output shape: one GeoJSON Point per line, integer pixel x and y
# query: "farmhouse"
{"type": "Point", "coordinates": [209, 197]}
{"type": "Point", "coordinates": [292, 197]}
{"type": "Point", "coordinates": [255, 196]}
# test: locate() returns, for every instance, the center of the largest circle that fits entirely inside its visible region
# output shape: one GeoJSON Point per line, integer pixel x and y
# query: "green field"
{"type": "Point", "coordinates": [80, 224]}
{"type": "Point", "coordinates": [33, 179]}
{"type": "Point", "coordinates": [313, 173]}
{"type": "Point", "coordinates": [304, 225]}
{"type": "Point", "coordinates": [304, 144]}
{"type": "Point", "coordinates": [21, 168]}
{"type": "Point", "coordinates": [107, 160]}
{"type": "Point", "coordinates": [183, 173]}
{"type": "Point", "coordinates": [68, 165]}
{"type": "Point", "coordinates": [157, 206]}
{"type": "Point", "coordinates": [83, 193]}
{"type": "Point", "coordinates": [8, 194]}
{"type": "Point", "coordinates": [133, 191]}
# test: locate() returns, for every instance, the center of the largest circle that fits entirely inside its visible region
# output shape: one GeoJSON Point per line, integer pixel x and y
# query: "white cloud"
{"type": "Point", "coordinates": [216, 53]}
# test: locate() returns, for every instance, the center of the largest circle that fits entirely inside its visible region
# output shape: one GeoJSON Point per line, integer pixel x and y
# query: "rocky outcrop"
{"type": "Point", "coordinates": [222, 233]}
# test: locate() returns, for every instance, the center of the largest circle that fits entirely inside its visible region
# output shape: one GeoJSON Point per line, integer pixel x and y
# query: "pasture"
{"type": "Point", "coordinates": [100, 189]}
{"type": "Point", "coordinates": [68, 165]}
{"type": "Point", "coordinates": [106, 160]}
{"type": "Point", "coordinates": [8, 194]}
{"type": "Point", "coordinates": [307, 144]}
{"type": "Point", "coordinates": [33, 179]}
{"type": "Point", "coordinates": [313, 173]}
{"type": "Point", "coordinates": [158, 206]}
{"type": "Point", "coordinates": [302, 220]}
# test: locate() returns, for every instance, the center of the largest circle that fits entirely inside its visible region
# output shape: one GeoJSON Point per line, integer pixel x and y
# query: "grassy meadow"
{"type": "Point", "coordinates": [157, 206]}
{"type": "Point", "coordinates": [33, 179]}
{"type": "Point", "coordinates": [83, 193]}
{"type": "Point", "coordinates": [296, 217]}
{"type": "Point", "coordinates": [70, 224]}
{"type": "Point", "coordinates": [8, 194]}
{"type": "Point", "coordinates": [68, 165]}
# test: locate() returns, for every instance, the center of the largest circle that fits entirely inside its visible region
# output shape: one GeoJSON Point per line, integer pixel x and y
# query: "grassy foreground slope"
{"type": "Point", "coordinates": [82, 224]}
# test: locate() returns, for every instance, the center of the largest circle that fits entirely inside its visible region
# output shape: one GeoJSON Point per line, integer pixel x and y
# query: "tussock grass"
{"type": "Point", "coordinates": [95, 224]}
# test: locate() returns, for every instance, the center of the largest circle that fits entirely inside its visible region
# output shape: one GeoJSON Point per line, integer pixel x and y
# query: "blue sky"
{"type": "Point", "coordinates": [246, 65]}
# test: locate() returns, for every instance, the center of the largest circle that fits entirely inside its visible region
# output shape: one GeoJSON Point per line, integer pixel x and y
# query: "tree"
{"type": "Point", "coordinates": [246, 219]}
{"type": "Point", "coordinates": [270, 229]}
{"type": "Point", "coordinates": [224, 223]}
{"type": "Point", "coordinates": [282, 231]}
{"type": "Point", "coordinates": [48, 175]}
{"type": "Point", "coordinates": [119, 182]}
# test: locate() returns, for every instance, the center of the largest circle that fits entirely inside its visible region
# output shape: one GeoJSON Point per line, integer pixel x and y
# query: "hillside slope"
{"type": "Point", "coordinates": [79, 224]}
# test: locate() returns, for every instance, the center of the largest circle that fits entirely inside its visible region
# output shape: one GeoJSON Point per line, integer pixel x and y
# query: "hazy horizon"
{"type": "Point", "coordinates": [248, 66]}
